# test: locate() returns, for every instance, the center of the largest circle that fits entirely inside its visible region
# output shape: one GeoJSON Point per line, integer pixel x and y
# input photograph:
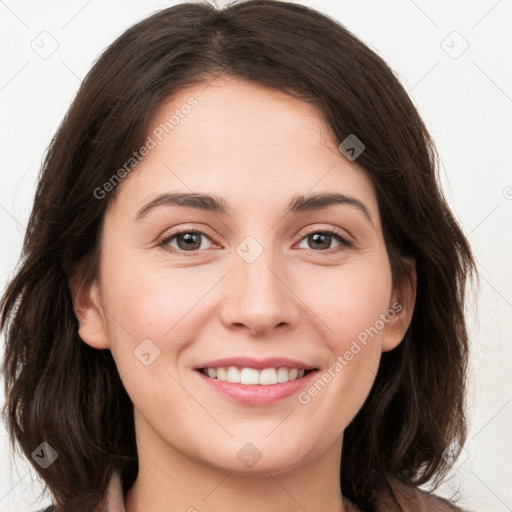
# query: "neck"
{"type": "Point", "coordinates": [170, 481]}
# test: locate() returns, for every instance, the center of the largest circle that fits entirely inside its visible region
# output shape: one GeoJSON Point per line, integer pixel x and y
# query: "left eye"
{"type": "Point", "coordinates": [323, 239]}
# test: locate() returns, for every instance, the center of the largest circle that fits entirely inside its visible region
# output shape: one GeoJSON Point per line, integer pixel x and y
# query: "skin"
{"type": "Point", "coordinates": [256, 148]}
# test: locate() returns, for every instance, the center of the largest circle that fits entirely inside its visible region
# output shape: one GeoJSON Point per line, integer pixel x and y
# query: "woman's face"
{"type": "Point", "coordinates": [263, 279]}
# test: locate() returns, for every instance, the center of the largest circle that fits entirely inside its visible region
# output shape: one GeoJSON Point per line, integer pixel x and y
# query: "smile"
{"type": "Point", "coordinates": [268, 389]}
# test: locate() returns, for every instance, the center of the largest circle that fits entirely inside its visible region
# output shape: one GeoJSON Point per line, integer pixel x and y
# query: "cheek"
{"type": "Point", "coordinates": [155, 313]}
{"type": "Point", "coordinates": [144, 301]}
{"type": "Point", "coordinates": [148, 295]}
{"type": "Point", "coordinates": [350, 302]}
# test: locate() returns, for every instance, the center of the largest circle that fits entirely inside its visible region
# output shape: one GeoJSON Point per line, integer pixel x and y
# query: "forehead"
{"type": "Point", "coordinates": [245, 142]}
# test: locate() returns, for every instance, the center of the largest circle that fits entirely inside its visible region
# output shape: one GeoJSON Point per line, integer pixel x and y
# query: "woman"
{"type": "Point", "coordinates": [241, 285]}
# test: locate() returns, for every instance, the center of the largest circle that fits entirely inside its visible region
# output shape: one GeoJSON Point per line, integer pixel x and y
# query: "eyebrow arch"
{"type": "Point", "coordinates": [215, 204]}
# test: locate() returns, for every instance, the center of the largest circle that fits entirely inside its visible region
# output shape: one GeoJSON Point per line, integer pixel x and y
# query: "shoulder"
{"type": "Point", "coordinates": [402, 497]}
{"type": "Point", "coordinates": [395, 496]}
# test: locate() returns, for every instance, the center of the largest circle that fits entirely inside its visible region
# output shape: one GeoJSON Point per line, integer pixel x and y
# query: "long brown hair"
{"type": "Point", "coordinates": [62, 391]}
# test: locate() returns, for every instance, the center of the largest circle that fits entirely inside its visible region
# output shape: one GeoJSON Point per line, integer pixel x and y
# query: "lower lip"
{"type": "Point", "coordinates": [258, 394]}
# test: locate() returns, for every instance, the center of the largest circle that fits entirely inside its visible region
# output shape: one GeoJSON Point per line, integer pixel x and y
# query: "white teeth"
{"type": "Point", "coordinates": [250, 376]}
{"type": "Point", "coordinates": [233, 375]}
{"type": "Point", "coordinates": [268, 376]}
{"type": "Point", "coordinates": [282, 375]}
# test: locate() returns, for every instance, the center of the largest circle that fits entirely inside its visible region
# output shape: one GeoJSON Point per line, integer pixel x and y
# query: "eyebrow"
{"type": "Point", "coordinates": [215, 204]}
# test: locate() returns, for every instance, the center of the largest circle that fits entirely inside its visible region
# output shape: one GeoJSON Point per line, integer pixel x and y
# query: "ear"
{"type": "Point", "coordinates": [89, 312]}
{"type": "Point", "coordinates": [402, 304]}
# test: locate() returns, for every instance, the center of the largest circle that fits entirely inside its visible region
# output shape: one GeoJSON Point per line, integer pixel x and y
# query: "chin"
{"type": "Point", "coordinates": [256, 457]}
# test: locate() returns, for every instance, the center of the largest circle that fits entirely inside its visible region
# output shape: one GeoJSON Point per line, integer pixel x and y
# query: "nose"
{"type": "Point", "coordinates": [258, 297]}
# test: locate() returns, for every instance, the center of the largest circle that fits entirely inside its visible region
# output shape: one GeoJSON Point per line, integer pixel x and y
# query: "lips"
{"type": "Point", "coordinates": [270, 388]}
{"type": "Point", "coordinates": [257, 394]}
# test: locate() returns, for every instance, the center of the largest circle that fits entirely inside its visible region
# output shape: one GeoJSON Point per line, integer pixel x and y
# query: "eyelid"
{"type": "Point", "coordinates": [330, 230]}
{"type": "Point", "coordinates": [164, 239]}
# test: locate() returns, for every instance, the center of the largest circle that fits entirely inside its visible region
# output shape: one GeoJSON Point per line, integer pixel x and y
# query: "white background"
{"type": "Point", "coordinates": [464, 98]}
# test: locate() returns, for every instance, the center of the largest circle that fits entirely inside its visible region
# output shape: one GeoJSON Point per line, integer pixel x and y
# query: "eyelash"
{"type": "Point", "coordinates": [163, 243]}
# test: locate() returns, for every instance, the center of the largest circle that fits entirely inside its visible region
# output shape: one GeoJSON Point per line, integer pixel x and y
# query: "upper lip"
{"type": "Point", "coordinates": [257, 364]}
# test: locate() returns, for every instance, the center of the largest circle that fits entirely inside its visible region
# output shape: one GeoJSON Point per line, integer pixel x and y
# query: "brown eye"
{"type": "Point", "coordinates": [321, 240]}
{"type": "Point", "coordinates": [187, 241]}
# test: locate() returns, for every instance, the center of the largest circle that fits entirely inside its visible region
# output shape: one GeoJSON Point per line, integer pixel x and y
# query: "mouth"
{"type": "Point", "coordinates": [260, 386]}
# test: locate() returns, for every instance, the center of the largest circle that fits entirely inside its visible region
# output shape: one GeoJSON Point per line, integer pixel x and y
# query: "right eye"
{"type": "Point", "coordinates": [187, 241]}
